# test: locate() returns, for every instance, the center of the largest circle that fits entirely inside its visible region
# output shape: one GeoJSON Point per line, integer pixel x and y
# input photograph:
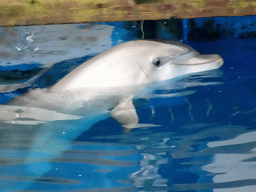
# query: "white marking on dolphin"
{"type": "Point", "coordinates": [49, 119]}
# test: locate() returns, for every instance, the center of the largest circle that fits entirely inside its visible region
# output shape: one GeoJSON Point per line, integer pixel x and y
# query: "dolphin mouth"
{"type": "Point", "coordinates": [201, 60]}
{"type": "Point", "coordinates": [195, 58]}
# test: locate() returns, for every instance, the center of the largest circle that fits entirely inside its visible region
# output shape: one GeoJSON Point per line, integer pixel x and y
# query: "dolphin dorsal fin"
{"type": "Point", "coordinates": [125, 114]}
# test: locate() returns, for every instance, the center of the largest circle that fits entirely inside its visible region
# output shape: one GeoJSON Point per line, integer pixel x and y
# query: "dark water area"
{"type": "Point", "coordinates": [196, 134]}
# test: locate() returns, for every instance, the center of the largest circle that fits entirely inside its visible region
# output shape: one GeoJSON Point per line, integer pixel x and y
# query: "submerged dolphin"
{"type": "Point", "coordinates": [45, 121]}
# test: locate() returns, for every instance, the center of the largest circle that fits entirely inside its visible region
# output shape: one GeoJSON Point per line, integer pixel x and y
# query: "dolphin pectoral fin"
{"type": "Point", "coordinates": [125, 114]}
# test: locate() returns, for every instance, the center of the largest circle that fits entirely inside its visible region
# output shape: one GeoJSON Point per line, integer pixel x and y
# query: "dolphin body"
{"type": "Point", "coordinates": [117, 75]}
{"type": "Point", "coordinates": [45, 121]}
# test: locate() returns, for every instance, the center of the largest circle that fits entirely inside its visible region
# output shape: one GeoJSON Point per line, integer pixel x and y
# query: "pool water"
{"type": "Point", "coordinates": [197, 134]}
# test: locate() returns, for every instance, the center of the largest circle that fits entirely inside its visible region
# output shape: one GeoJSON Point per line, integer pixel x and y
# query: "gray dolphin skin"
{"type": "Point", "coordinates": [45, 121]}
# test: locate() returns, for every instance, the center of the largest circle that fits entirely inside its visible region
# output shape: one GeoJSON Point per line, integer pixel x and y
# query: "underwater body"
{"type": "Point", "coordinates": [194, 134]}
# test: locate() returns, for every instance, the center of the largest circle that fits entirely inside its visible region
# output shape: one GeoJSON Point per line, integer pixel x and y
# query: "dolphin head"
{"type": "Point", "coordinates": [138, 62]}
{"type": "Point", "coordinates": [162, 61]}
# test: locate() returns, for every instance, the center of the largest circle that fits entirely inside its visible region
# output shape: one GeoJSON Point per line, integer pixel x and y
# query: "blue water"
{"type": "Point", "coordinates": [199, 136]}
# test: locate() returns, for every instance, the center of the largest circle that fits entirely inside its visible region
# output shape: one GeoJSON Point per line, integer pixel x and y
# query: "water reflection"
{"type": "Point", "coordinates": [148, 175]}
{"type": "Point", "coordinates": [47, 44]}
{"type": "Point", "coordinates": [235, 161]}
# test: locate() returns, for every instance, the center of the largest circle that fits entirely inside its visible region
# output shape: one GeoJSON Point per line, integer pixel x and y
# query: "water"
{"type": "Point", "coordinates": [195, 134]}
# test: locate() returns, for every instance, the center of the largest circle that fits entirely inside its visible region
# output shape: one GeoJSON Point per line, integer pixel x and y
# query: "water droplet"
{"type": "Point", "coordinates": [29, 38]}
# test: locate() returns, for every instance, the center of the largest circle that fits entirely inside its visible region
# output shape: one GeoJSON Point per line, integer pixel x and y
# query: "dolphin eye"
{"type": "Point", "coordinates": [156, 62]}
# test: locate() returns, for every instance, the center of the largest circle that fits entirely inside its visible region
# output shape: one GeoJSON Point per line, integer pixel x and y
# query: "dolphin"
{"type": "Point", "coordinates": [122, 72]}
{"type": "Point", "coordinates": [45, 121]}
